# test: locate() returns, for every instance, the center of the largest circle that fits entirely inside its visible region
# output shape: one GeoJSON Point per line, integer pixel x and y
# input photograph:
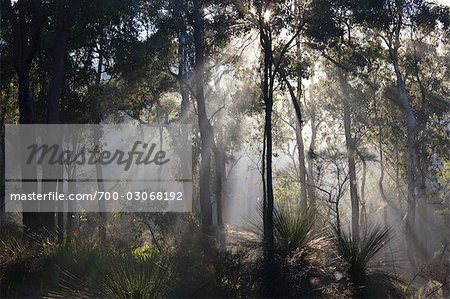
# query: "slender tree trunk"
{"type": "Point", "coordinates": [363, 215]}
{"type": "Point", "coordinates": [204, 125]}
{"type": "Point", "coordinates": [53, 117]}
{"type": "Point", "coordinates": [30, 220]}
{"type": "Point", "coordinates": [101, 188]}
{"type": "Point", "coordinates": [350, 155]}
{"type": "Point", "coordinates": [295, 99]}
{"type": "Point", "coordinates": [411, 158]}
{"type": "Point", "coordinates": [220, 168]}
{"type": "Point", "coordinates": [299, 129]}
{"type": "Point", "coordinates": [98, 167]}
{"type": "Point", "coordinates": [311, 153]}
{"type": "Point", "coordinates": [302, 166]}
{"type": "Point", "coordinates": [101, 214]}
{"type": "Point", "coordinates": [269, 185]}
{"type": "Point", "coordinates": [60, 208]}
{"type": "Point", "coordinates": [57, 80]}
{"type": "Point", "coordinates": [268, 207]}
{"type": "Point", "coordinates": [268, 101]}
{"type": "Point", "coordinates": [71, 189]}
{"type": "Point", "coordinates": [183, 79]}
{"type": "Point", "coordinates": [338, 218]}
{"type": "Point", "coordinates": [381, 180]}
{"type": "Point", "coordinates": [183, 75]}
{"type": "Point", "coordinates": [423, 213]}
{"type": "Point", "coordinates": [220, 176]}
{"type": "Point", "coordinates": [422, 169]}
{"type": "Point", "coordinates": [25, 47]}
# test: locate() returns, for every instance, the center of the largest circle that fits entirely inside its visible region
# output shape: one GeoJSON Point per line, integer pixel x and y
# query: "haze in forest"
{"type": "Point", "coordinates": [317, 154]}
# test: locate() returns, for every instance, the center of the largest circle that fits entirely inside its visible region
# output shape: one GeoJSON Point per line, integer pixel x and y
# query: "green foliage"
{"type": "Point", "coordinates": [93, 272]}
{"type": "Point", "coordinates": [21, 260]}
{"type": "Point", "coordinates": [33, 267]}
{"type": "Point", "coordinates": [293, 228]}
{"type": "Point", "coordinates": [286, 188]}
{"type": "Point", "coordinates": [99, 272]}
{"type": "Point", "coordinates": [368, 276]}
{"type": "Point", "coordinates": [138, 278]}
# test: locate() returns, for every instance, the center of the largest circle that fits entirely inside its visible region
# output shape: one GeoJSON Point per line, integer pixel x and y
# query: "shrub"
{"type": "Point", "coordinates": [368, 276]}
{"type": "Point", "coordinates": [88, 272]}
{"type": "Point", "coordinates": [292, 228]}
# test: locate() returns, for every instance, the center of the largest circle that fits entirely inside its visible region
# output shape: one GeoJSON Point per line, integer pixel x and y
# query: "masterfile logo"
{"type": "Point", "coordinates": [121, 165]}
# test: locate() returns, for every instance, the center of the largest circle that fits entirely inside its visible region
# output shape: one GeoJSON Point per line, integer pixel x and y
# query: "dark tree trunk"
{"type": "Point", "coordinates": [295, 99]}
{"type": "Point", "coordinates": [25, 46]}
{"type": "Point", "coordinates": [310, 159]}
{"type": "Point", "coordinates": [53, 117]}
{"type": "Point", "coordinates": [411, 122]}
{"type": "Point", "coordinates": [268, 204]}
{"type": "Point", "coordinates": [363, 215]}
{"type": "Point", "coordinates": [267, 89]}
{"type": "Point", "coordinates": [183, 75]}
{"type": "Point", "coordinates": [350, 144]}
{"type": "Point", "coordinates": [219, 163]}
{"type": "Point", "coordinates": [422, 165]}
{"type": "Point", "coordinates": [56, 83]}
{"type": "Point", "coordinates": [381, 178]}
{"type": "Point", "coordinates": [30, 220]}
{"type": "Point", "coordinates": [183, 78]}
{"type": "Point", "coordinates": [71, 189]}
{"type": "Point", "coordinates": [60, 214]}
{"type": "Point", "coordinates": [299, 128]}
{"type": "Point", "coordinates": [101, 188]}
{"type": "Point", "coordinates": [102, 217]}
{"type": "Point", "coordinates": [203, 121]}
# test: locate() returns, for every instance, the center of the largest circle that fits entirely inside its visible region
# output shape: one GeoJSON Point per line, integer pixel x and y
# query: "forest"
{"type": "Point", "coordinates": [315, 155]}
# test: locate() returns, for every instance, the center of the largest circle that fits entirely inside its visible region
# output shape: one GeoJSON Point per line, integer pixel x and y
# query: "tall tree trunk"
{"type": "Point", "coordinates": [268, 227]}
{"type": "Point", "coordinates": [30, 220]}
{"type": "Point", "coordinates": [295, 98]}
{"type": "Point", "coordinates": [183, 79]}
{"type": "Point", "coordinates": [219, 163]}
{"type": "Point", "coordinates": [405, 102]}
{"type": "Point", "coordinates": [268, 207]}
{"type": "Point", "coordinates": [203, 121]}
{"type": "Point", "coordinates": [311, 154]}
{"type": "Point", "coordinates": [60, 208]}
{"type": "Point", "coordinates": [183, 73]}
{"type": "Point", "coordinates": [422, 171]}
{"type": "Point", "coordinates": [350, 154]}
{"type": "Point", "coordinates": [299, 124]}
{"type": "Point", "coordinates": [301, 155]}
{"type": "Point", "coordinates": [71, 189]}
{"type": "Point", "coordinates": [25, 47]}
{"type": "Point", "coordinates": [101, 188]}
{"type": "Point", "coordinates": [53, 117]}
{"type": "Point", "coordinates": [363, 214]}
{"type": "Point", "coordinates": [98, 167]}
{"type": "Point", "coordinates": [381, 179]}
{"type": "Point", "coordinates": [422, 214]}
{"type": "Point", "coordinates": [57, 80]}
{"type": "Point", "coordinates": [220, 175]}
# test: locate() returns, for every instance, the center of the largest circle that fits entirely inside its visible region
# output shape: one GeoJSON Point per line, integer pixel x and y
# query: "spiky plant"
{"type": "Point", "coordinates": [138, 278]}
{"type": "Point", "coordinates": [369, 277]}
{"type": "Point", "coordinates": [89, 272]}
{"type": "Point", "coordinates": [292, 228]}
